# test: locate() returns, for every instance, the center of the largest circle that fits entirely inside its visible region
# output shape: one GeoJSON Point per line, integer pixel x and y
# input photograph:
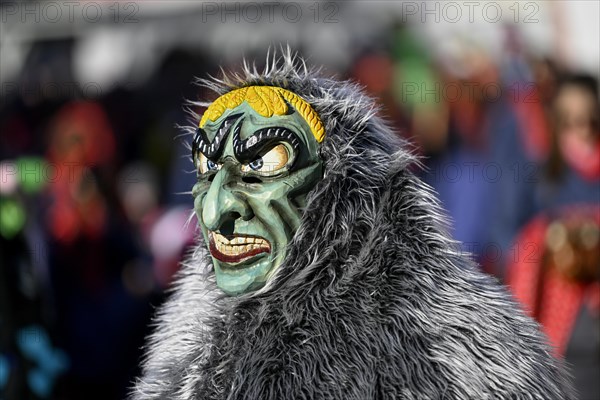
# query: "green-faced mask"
{"type": "Point", "coordinates": [256, 152]}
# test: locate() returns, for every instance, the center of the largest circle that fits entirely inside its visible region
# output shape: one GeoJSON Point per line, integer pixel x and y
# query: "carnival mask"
{"type": "Point", "coordinates": [256, 157]}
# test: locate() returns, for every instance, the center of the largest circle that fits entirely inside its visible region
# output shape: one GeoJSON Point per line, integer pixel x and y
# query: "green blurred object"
{"type": "Point", "coordinates": [415, 81]}
{"type": "Point", "coordinates": [33, 174]}
{"type": "Point", "coordinates": [12, 217]}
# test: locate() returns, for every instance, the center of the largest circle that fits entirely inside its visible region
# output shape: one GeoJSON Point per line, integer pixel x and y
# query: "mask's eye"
{"type": "Point", "coordinates": [272, 161]}
{"type": "Point", "coordinates": [205, 165]}
{"type": "Point", "coordinates": [257, 164]}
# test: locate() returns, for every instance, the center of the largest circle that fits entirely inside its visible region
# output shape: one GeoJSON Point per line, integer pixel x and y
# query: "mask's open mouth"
{"type": "Point", "coordinates": [236, 248]}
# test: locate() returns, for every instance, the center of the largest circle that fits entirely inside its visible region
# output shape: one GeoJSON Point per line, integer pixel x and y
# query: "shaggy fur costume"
{"type": "Point", "coordinates": [372, 302]}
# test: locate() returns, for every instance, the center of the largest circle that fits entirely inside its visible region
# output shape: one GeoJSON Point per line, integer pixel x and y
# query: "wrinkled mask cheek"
{"type": "Point", "coordinates": [282, 211]}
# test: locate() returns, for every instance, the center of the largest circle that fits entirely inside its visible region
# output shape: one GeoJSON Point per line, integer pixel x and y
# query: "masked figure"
{"type": "Point", "coordinates": [325, 271]}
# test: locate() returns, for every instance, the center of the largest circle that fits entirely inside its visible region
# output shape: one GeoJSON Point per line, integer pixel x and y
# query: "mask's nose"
{"type": "Point", "coordinates": [222, 205]}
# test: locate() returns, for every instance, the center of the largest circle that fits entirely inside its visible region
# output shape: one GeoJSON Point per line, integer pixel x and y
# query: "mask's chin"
{"type": "Point", "coordinates": [245, 276]}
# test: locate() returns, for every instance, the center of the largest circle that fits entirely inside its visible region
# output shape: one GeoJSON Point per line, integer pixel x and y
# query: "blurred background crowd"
{"type": "Point", "coordinates": [500, 100]}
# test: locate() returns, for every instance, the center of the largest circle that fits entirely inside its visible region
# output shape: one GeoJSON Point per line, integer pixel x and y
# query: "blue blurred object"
{"type": "Point", "coordinates": [34, 343]}
{"type": "Point", "coordinates": [4, 370]}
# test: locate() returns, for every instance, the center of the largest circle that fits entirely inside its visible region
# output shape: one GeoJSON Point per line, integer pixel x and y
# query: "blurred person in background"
{"type": "Point", "coordinates": [555, 265]}
{"type": "Point", "coordinates": [572, 173]}
{"type": "Point", "coordinates": [92, 252]}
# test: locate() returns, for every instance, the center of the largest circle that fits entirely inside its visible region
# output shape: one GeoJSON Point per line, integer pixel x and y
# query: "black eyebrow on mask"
{"type": "Point", "coordinates": [247, 150]}
{"type": "Point", "coordinates": [213, 150]}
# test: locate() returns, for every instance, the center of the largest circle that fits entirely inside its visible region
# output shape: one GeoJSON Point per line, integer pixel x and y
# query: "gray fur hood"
{"type": "Point", "coordinates": [373, 300]}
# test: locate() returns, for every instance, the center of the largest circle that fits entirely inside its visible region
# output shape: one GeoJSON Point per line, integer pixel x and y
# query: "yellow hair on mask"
{"type": "Point", "coordinates": [266, 101]}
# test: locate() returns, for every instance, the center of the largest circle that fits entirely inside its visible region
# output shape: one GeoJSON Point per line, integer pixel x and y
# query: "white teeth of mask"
{"type": "Point", "coordinates": [238, 244]}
